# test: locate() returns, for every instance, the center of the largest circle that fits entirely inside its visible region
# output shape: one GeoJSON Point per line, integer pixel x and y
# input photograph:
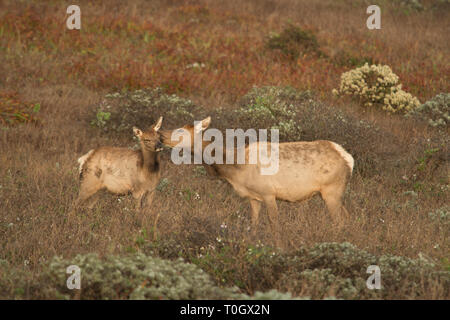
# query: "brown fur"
{"type": "Point", "coordinates": [305, 169]}
{"type": "Point", "coordinates": [121, 170]}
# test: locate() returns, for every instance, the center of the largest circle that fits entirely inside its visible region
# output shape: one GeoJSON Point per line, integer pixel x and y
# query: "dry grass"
{"type": "Point", "coordinates": [150, 44]}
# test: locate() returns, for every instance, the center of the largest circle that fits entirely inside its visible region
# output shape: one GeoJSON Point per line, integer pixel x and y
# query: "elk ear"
{"type": "Point", "coordinates": [205, 123]}
{"type": "Point", "coordinates": [137, 132]}
{"type": "Point", "coordinates": [158, 124]}
{"type": "Point", "coordinates": [202, 125]}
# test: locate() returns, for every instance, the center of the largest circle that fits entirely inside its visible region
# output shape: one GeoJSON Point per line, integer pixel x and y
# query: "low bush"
{"type": "Point", "coordinates": [273, 108]}
{"type": "Point", "coordinates": [415, 5]}
{"type": "Point", "coordinates": [376, 85]}
{"type": "Point", "coordinates": [435, 111]}
{"type": "Point", "coordinates": [343, 269]}
{"type": "Point", "coordinates": [325, 270]}
{"type": "Point", "coordinates": [135, 276]}
{"type": "Point", "coordinates": [121, 111]}
{"type": "Point", "coordinates": [293, 41]}
{"type": "Point", "coordinates": [441, 216]}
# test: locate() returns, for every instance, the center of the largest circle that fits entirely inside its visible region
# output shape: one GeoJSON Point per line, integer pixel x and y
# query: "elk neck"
{"type": "Point", "coordinates": [150, 158]}
{"type": "Point", "coordinates": [223, 169]}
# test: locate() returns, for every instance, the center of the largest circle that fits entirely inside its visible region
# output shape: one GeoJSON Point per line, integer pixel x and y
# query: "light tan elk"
{"type": "Point", "coordinates": [305, 169]}
{"type": "Point", "coordinates": [122, 170]}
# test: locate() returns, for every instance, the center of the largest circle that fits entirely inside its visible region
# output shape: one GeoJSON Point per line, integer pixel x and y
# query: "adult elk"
{"type": "Point", "coordinates": [305, 169]}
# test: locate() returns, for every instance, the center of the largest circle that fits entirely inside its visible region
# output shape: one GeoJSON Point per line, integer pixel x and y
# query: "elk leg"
{"type": "Point", "coordinates": [256, 207]}
{"type": "Point", "coordinates": [332, 196]}
{"type": "Point", "coordinates": [88, 188]}
{"type": "Point", "coordinates": [144, 199]}
{"type": "Point", "coordinates": [138, 196]}
{"type": "Point", "coordinates": [344, 212]}
{"type": "Point", "coordinates": [149, 196]}
{"type": "Point", "coordinates": [148, 200]}
{"type": "Point", "coordinates": [272, 210]}
{"type": "Point", "coordinates": [210, 170]}
{"type": "Point", "coordinates": [155, 227]}
{"type": "Point", "coordinates": [93, 200]}
{"type": "Point", "coordinates": [139, 203]}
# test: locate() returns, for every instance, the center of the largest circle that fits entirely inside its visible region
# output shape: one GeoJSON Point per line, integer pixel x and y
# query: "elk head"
{"type": "Point", "coordinates": [184, 136]}
{"type": "Point", "coordinates": [150, 139]}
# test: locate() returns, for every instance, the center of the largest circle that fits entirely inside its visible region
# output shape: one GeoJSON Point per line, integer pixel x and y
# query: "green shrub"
{"type": "Point", "coordinates": [272, 108]}
{"type": "Point", "coordinates": [435, 111]}
{"type": "Point", "coordinates": [408, 6]}
{"type": "Point", "coordinates": [441, 5]}
{"type": "Point", "coordinates": [13, 281]}
{"type": "Point", "coordinates": [415, 5]}
{"type": "Point", "coordinates": [101, 119]}
{"type": "Point", "coordinates": [340, 269]}
{"type": "Point", "coordinates": [325, 270]}
{"type": "Point", "coordinates": [133, 277]}
{"type": "Point", "coordinates": [121, 111]}
{"type": "Point", "coordinates": [376, 85]}
{"type": "Point", "coordinates": [293, 41]}
{"type": "Point", "coordinates": [441, 215]}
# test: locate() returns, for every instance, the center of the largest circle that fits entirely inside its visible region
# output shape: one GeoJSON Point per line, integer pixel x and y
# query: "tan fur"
{"type": "Point", "coordinates": [83, 159]}
{"type": "Point", "coordinates": [305, 169]}
{"type": "Point", "coordinates": [121, 170]}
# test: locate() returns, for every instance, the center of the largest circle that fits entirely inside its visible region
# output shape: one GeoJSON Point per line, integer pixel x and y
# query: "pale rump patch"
{"type": "Point", "coordinates": [83, 159]}
{"type": "Point", "coordinates": [344, 154]}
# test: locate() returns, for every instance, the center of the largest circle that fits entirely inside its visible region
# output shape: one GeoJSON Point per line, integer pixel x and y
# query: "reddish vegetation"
{"type": "Point", "coordinates": [143, 44]}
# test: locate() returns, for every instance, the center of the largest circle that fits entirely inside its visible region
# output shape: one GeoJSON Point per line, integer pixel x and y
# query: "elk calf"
{"type": "Point", "coordinates": [121, 170]}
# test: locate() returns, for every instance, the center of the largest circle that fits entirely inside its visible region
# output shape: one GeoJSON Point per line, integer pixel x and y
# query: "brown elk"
{"type": "Point", "coordinates": [122, 170]}
{"type": "Point", "coordinates": [305, 169]}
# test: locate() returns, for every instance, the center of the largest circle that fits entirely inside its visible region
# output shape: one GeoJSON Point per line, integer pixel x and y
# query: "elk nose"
{"type": "Point", "coordinates": [159, 146]}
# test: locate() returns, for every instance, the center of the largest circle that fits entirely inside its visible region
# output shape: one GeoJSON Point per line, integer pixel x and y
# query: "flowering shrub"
{"type": "Point", "coordinates": [435, 111]}
{"type": "Point", "coordinates": [377, 85]}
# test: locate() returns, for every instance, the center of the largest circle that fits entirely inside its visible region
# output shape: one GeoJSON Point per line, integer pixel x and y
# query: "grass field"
{"type": "Point", "coordinates": [213, 53]}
